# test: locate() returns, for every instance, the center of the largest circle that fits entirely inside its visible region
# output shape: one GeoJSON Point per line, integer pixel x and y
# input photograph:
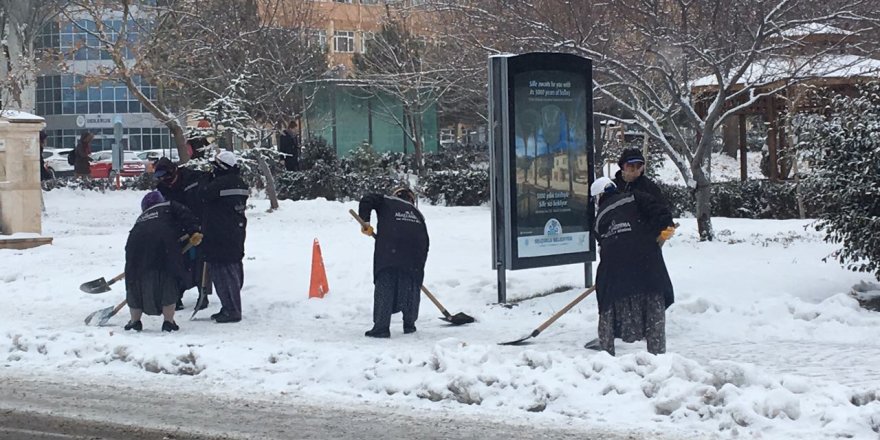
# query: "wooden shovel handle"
{"type": "Point", "coordinates": [435, 301]}
{"type": "Point", "coordinates": [424, 289]}
{"type": "Point", "coordinates": [118, 307]}
{"type": "Point", "coordinates": [359, 219]}
{"type": "Point", "coordinates": [565, 309]}
{"type": "Point", "coordinates": [116, 278]}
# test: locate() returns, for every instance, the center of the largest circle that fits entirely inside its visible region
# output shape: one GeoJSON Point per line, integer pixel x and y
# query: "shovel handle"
{"type": "Point", "coordinates": [116, 278]}
{"type": "Point", "coordinates": [435, 301]}
{"type": "Point", "coordinates": [359, 219]}
{"type": "Point", "coordinates": [565, 309]}
{"type": "Point", "coordinates": [424, 289]}
{"type": "Point", "coordinates": [118, 307]}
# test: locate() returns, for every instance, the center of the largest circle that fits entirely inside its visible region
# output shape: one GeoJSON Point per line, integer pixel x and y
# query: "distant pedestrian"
{"type": "Point", "coordinates": [289, 144]}
{"type": "Point", "coordinates": [183, 185]}
{"type": "Point", "coordinates": [154, 268]}
{"type": "Point", "coordinates": [631, 176]}
{"type": "Point", "coordinates": [398, 258]}
{"type": "Point", "coordinates": [82, 167]}
{"type": "Point", "coordinates": [632, 285]}
{"type": "Point", "coordinates": [198, 147]}
{"type": "Point", "coordinates": [225, 225]}
{"type": "Point", "coordinates": [45, 174]}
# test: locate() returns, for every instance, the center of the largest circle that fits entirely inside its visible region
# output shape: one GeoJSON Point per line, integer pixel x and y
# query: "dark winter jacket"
{"type": "Point", "coordinates": [82, 162]}
{"type": "Point", "coordinates": [185, 189]}
{"type": "Point", "coordinates": [225, 200]}
{"type": "Point", "coordinates": [288, 144]}
{"type": "Point", "coordinates": [642, 184]}
{"type": "Point", "coordinates": [630, 260]}
{"type": "Point", "coordinates": [401, 235]}
{"type": "Point", "coordinates": [153, 243]}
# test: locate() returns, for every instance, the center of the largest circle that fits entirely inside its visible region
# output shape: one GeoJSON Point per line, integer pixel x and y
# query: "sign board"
{"type": "Point", "coordinates": [540, 110]}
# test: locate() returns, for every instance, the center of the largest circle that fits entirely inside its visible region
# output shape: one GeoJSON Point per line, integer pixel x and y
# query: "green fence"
{"type": "Point", "coordinates": [346, 115]}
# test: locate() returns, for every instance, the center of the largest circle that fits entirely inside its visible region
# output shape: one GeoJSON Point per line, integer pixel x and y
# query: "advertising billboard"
{"type": "Point", "coordinates": [542, 159]}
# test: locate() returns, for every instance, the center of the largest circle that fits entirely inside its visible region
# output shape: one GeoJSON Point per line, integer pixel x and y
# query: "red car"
{"type": "Point", "coordinates": [132, 166]}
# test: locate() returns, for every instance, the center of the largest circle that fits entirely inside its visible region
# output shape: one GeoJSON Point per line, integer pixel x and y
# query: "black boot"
{"type": "Point", "coordinates": [409, 328]}
{"type": "Point", "coordinates": [170, 326]}
{"type": "Point", "coordinates": [224, 318]}
{"type": "Point", "coordinates": [378, 333]}
{"type": "Point", "coordinates": [134, 325]}
{"type": "Point", "coordinates": [179, 305]}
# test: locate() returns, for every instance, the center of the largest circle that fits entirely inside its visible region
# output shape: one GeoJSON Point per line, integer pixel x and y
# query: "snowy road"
{"type": "Point", "coordinates": [37, 409]}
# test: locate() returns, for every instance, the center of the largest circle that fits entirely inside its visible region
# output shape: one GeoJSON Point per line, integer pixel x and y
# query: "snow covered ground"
{"type": "Point", "coordinates": [724, 169]}
{"type": "Point", "coordinates": [764, 340]}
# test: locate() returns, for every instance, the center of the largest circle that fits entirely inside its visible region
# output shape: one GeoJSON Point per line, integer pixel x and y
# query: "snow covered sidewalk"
{"type": "Point", "coordinates": [764, 340]}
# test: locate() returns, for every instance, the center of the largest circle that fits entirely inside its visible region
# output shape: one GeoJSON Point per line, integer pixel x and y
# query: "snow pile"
{"type": "Point", "coordinates": [764, 339]}
{"type": "Point", "coordinates": [724, 169]}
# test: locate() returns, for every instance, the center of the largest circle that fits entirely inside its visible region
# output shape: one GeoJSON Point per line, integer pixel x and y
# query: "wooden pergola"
{"type": "Point", "coordinates": [806, 96]}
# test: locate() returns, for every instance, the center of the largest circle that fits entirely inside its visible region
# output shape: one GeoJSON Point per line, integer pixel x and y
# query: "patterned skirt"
{"type": "Point", "coordinates": [634, 318]}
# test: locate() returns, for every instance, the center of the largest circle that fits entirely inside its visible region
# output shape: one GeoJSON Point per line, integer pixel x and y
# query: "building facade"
{"type": "Point", "coordinates": [72, 102]}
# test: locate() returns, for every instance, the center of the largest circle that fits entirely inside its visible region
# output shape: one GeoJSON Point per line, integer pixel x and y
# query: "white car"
{"type": "Point", "coordinates": [56, 160]}
{"type": "Point", "coordinates": [154, 155]}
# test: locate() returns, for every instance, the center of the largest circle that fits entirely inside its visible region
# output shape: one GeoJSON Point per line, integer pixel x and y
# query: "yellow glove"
{"type": "Point", "coordinates": [367, 230]}
{"type": "Point", "coordinates": [666, 234]}
{"type": "Point", "coordinates": [196, 238]}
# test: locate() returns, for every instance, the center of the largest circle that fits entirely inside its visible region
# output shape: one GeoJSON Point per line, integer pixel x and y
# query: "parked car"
{"type": "Point", "coordinates": [102, 165]}
{"type": "Point", "coordinates": [154, 155]}
{"type": "Point", "coordinates": [56, 160]}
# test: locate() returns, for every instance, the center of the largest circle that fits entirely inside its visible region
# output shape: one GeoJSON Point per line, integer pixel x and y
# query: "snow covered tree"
{"type": "Point", "coordinates": [193, 60]}
{"type": "Point", "coordinates": [648, 53]}
{"type": "Point", "coordinates": [20, 22]}
{"type": "Point", "coordinates": [843, 150]}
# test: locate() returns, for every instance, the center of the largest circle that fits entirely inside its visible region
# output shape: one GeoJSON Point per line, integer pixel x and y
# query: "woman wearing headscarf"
{"type": "Point", "coordinates": [154, 266]}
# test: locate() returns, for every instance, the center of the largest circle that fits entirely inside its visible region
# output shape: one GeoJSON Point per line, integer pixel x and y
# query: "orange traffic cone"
{"type": "Point", "coordinates": [318, 286]}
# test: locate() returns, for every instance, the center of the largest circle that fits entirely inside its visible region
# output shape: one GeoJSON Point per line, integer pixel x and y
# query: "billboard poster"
{"type": "Point", "coordinates": [551, 163]}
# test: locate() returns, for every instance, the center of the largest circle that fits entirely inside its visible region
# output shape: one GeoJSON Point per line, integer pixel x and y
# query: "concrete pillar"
{"type": "Point", "coordinates": [20, 192]}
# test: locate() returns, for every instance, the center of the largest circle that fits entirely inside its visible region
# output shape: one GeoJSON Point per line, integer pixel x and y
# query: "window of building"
{"type": "Point", "coordinates": [369, 2]}
{"type": "Point", "coordinates": [70, 95]}
{"type": "Point", "coordinates": [342, 1]}
{"type": "Point", "coordinates": [343, 41]}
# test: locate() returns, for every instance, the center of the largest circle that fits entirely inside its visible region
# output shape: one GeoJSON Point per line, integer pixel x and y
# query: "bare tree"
{"type": "Point", "coordinates": [193, 60]}
{"type": "Point", "coordinates": [20, 23]}
{"type": "Point", "coordinates": [648, 54]}
{"type": "Point", "coordinates": [412, 72]}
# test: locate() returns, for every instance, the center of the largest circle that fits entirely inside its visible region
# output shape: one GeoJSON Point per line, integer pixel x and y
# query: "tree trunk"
{"type": "Point", "coordinates": [270, 181]}
{"type": "Point", "coordinates": [703, 196]}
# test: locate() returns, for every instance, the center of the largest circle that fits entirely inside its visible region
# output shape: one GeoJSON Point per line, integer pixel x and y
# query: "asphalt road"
{"type": "Point", "coordinates": [43, 410]}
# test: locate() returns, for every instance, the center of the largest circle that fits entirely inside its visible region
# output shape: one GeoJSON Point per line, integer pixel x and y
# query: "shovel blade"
{"type": "Point", "coordinates": [520, 341]}
{"type": "Point", "coordinates": [96, 286]}
{"type": "Point", "coordinates": [458, 319]}
{"type": "Point", "coordinates": [100, 316]}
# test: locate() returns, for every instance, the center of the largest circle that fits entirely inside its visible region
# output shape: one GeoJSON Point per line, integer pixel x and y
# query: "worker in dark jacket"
{"type": "Point", "coordinates": [631, 176]}
{"type": "Point", "coordinates": [225, 201]}
{"type": "Point", "coordinates": [398, 258]}
{"type": "Point", "coordinates": [632, 284]}
{"type": "Point", "coordinates": [154, 268]}
{"type": "Point", "coordinates": [181, 185]}
{"type": "Point", "coordinates": [288, 144]}
{"type": "Point", "coordinates": [82, 164]}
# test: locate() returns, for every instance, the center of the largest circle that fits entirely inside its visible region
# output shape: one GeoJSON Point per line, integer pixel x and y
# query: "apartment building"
{"type": "Point", "coordinates": [345, 26]}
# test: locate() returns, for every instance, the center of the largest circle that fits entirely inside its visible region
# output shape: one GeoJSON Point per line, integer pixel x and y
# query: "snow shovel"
{"type": "Point", "coordinates": [104, 315]}
{"type": "Point", "coordinates": [101, 285]}
{"type": "Point", "coordinates": [202, 302]}
{"type": "Point", "coordinates": [456, 319]}
{"type": "Point", "coordinates": [552, 319]}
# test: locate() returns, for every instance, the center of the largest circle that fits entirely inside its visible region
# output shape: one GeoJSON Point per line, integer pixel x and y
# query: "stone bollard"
{"type": "Point", "coordinates": [20, 192]}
